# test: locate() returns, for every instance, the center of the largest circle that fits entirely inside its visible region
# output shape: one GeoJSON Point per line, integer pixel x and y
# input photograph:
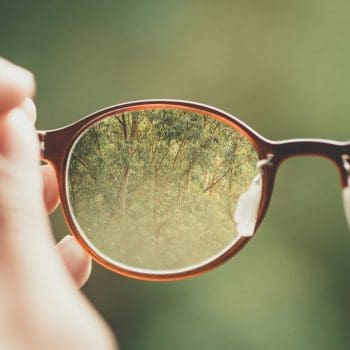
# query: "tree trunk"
{"type": "Point", "coordinates": [188, 180]}
{"type": "Point", "coordinates": [123, 192]}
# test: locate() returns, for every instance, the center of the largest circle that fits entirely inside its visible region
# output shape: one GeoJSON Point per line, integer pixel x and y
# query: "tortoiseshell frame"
{"type": "Point", "coordinates": [56, 146]}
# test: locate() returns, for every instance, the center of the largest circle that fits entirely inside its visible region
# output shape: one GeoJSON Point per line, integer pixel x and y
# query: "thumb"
{"type": "Point", "coordinates": [26, 243]}
{"type": "Point", "coordinates": [19, 175]}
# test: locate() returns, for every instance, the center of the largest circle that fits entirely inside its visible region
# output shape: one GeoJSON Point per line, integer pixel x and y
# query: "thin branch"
{"type": "Point", "coordinates": [83, 163]}
{"type": "Point", "coordinates": [214, 183]}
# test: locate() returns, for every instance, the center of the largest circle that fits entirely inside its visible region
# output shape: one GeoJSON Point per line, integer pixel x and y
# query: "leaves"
{"type": "Point", "coordinates": [156, 188]}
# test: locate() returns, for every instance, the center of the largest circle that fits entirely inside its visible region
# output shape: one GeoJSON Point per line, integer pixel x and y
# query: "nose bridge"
{"type": "Point", "coordinates": [332, 150]}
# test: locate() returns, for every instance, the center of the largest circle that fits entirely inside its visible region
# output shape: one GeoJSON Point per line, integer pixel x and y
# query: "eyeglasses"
{"type": "Point", "coordinates": [167, 189]}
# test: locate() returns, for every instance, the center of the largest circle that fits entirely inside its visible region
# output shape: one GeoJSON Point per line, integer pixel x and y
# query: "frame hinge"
{"type": "Point", "coordinates": [266, 161]}
{"type": "Point", "coordinates": [41, 136]}
{"type": "Point", "coordinates": [346, 164]}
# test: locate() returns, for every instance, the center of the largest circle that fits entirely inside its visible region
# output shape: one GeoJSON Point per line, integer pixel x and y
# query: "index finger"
{"type": "Point", "coordinates": [16, 84]}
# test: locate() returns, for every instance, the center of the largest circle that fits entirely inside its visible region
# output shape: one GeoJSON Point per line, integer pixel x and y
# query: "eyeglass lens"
{"type": "Point", "coordinates": [157, 188]}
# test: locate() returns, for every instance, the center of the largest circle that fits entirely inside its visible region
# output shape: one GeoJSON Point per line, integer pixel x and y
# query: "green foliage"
{"type": "Point", "coordinates": [157, 188]}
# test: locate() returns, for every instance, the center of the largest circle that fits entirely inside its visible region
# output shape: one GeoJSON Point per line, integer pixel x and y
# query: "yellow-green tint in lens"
{"type": "Point", "coordinates": [156, 189]}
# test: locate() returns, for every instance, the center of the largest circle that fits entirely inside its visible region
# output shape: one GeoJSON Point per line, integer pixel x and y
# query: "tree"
{"type": "Point", "coordinates": [157, 187]}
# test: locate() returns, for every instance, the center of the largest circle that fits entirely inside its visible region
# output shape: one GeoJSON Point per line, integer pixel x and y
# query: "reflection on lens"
{"type": "Point", "coordinates": [157, 188]}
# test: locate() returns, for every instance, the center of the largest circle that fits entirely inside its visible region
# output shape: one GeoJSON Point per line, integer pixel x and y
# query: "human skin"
{"type": "Point", "coordinates": [40, 302]}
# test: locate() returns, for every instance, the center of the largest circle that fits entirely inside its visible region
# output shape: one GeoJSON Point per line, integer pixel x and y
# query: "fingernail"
{"type": "Point", "coordinates": [71, 247]}
{"type": "Point", "coordinates": [30, 109]}
{"type": "Point", "coordinates": [27, 80]}
{"type": "Point", "coordinates": [66, 240]}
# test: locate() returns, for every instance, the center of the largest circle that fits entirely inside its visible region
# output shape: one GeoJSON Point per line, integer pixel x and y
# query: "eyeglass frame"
{"type": "Point", "coordinates": [56, 146]}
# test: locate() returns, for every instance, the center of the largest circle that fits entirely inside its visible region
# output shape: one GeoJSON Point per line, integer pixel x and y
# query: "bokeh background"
{"type": "Point", "coordinates": [281, 66]}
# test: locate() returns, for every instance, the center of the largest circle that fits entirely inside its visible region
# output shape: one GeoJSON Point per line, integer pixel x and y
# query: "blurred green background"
{"type": "Point", "coordinates": [281, 66]}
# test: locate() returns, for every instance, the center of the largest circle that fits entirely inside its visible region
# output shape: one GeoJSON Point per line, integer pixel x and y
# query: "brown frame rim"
{"type": "Point", "coordinates": [168, 275]}
{"type": "Point", "coordinates": [281, 150]}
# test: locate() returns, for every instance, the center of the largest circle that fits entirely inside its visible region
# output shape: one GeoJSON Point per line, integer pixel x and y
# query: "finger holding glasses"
{"type": "Point", "coordinates": [41, 306]}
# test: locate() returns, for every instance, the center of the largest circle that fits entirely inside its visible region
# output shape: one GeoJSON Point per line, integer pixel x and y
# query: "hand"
{"type": "Point", "coordinates": [40, 305]}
